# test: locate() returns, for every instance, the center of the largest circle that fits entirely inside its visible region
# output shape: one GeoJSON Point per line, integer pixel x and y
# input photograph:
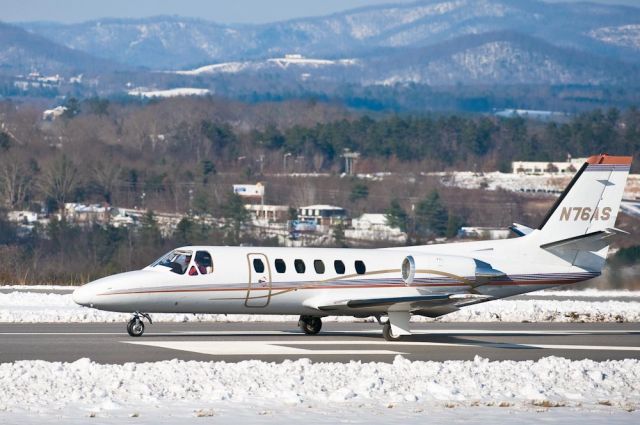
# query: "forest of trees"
{"type": "Point", "coordinates": [100, 151]}
{"type": "Point", "coordinates": [182, 155]}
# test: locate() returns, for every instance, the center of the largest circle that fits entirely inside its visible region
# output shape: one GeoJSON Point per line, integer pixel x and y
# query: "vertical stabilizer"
{"type": "Point", "coordinates": [589, 204]}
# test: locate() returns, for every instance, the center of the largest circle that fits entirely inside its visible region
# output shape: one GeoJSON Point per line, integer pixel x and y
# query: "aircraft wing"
{"type": "Point", "coordinates": [432, 305]}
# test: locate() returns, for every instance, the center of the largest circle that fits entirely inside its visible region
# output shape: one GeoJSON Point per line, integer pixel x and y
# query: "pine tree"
{"type": "Point", "coordinates": [431, 216]}
{"type": "Point", "coordinates": [396, 216]}
{"type": "Point", "coordinates": [235, 216]}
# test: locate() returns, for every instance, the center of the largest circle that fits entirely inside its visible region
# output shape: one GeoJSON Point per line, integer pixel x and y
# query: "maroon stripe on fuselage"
{"type": "Point", "coordinates": [391, 285]}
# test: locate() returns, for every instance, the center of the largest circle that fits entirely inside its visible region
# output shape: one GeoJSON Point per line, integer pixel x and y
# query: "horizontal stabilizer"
{"type": "Point", "coordinates": [594, 241]}
{"type": "Point", "coordinates": [585, 250]}
{"type": "Point", "coordinates": [520, 229]}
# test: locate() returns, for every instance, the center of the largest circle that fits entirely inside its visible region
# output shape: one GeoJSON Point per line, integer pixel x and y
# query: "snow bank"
{"type": "Point", "coordinates": [30, 307]}
{"type": "Point", "coordinates": [596, 294]}
{"type": "Point", "coordinates": [354, 388]}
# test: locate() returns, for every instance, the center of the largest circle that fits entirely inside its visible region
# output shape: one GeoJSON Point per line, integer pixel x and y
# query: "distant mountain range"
{"type": "Point", "coordinates": [22, 51]}
{"type": "Point", "coordinates": [437, 42]}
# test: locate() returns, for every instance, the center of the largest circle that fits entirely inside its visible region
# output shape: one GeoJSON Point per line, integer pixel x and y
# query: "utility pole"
{"type": "Point", "coordinates": [284, 161]}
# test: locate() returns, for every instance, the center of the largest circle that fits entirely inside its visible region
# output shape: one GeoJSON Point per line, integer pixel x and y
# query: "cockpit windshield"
{"type": "Point", "coordinates": [178, 261]}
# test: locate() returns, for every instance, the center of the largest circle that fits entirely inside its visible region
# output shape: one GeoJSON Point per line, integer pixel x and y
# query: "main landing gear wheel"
{"type": "Point", "coordinates": [135, 326]}
{"type": "Point", "coordinates": [388, 334]}
{"type": "Point", "coordinates": [310, 325]}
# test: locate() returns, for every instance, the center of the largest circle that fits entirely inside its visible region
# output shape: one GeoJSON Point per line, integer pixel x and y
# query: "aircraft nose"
{"type": "Point", "coordinates": [83, 296]}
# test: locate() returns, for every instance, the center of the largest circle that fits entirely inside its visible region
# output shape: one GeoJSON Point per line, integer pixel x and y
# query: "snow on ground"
{"type": "Point", "coordinates": [551, 389]}
{"type": "Point", "coordinates": [184, 91]}
{"type": "Point", "coordinates": [544, 183]}
{"type": "Point", "coordinates": [227, 67]}
{"type": "Point", "coordinates": [596, 294]}
{"type": "Point", "coordinates": [32, 307]}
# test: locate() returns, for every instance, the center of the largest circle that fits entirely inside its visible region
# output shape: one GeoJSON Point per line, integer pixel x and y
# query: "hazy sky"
{"type": "Point", "coordinates": [223, 11]}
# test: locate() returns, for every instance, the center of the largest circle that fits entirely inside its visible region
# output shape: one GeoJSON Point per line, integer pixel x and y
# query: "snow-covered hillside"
{"type": "Point", "coordinates": [390, 32]}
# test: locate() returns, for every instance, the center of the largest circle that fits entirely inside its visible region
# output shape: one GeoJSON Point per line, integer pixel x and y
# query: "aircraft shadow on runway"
{"type": "Point", "coordinates": [455, 338]}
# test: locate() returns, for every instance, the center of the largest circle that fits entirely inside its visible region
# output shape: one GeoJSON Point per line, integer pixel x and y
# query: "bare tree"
{"type": "Point", "coordinates": [59, 180]}
{"type": "Point", "coordinates": [15, 181]}
{"type": "Point", "coordinates": [106, 174]}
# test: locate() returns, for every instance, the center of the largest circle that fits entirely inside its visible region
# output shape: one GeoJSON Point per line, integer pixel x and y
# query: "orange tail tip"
{"type": "Point", "coordinates": [605, 159]}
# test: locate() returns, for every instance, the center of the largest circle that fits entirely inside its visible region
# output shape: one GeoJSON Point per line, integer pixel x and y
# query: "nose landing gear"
{"type": "Point", "coordinates": [135, 326]}
{"type": "Point", "coordinates": [310, 325]}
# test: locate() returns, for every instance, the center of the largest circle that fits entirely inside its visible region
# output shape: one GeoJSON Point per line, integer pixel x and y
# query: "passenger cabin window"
{"type": "Point", "coordinates": [360, 267]}
{"type": "Point", "coordinates": [281, 267]}
{"type": "Point", "coordinates": [258, 265]}
{"type": "Point", "coordinates": [339, 266]}
{"type": "Point", "coordinates": [319, 266]}
{"type": "Point", "coordinates": [298, 264]}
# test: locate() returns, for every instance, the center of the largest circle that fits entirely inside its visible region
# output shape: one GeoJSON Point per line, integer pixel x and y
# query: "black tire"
{"type": "Point", "coordinates": [388, 335]}
{"type": "Point", "coordinates": [310, 325]}
{"type": "Point", "coordinates": [135, 327]}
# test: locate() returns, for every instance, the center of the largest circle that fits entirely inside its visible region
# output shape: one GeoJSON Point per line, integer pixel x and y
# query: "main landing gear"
{"type": "Point", "coordinates": [135, 326]}
{"type": "Point", "coordinates": [388, 334]}
{"type": "Point", "coordinates": [310, 325]}
{"type": "Point", "coordinates": [396, 327]}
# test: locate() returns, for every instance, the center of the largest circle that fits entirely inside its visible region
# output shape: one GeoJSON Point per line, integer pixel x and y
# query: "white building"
{"type": "Point", "coordinates": [484, 232]}
{"type": "Point", "coordinates": [374, 227]}
{"type": "Point", "coordinates": [251, 191]}
{"type": "Point", "coordinates": [81, 213]}
{"type": "Point", "coordinates": [52, 114]}
{"type": "Point", "coordinates": [22, 216]}
{"type": "Point", "coordinates": [540, 167]}
{"type": "Point", "coordinates": [269, 213]}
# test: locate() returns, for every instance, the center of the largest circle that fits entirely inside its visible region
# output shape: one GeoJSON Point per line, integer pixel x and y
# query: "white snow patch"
{"type": "Point", "coordinates": [624, 35]}
{"type": "Point", "coordinates": [544, 182]}
{"type": "Point", "coordinates": [184, 91]}
{"type": "Point", "coordinates": [225, 68]}
{"type": "Point", "coordinates": [31, 307]}
{"type": "Point", "coordinates": [284, 62]}
{"type": "Point", "coordinates": [351, 390]}
{"type": "Point", "coordinates": [302, 61]}
{"type": "Point", "coordinates": [596, 294]}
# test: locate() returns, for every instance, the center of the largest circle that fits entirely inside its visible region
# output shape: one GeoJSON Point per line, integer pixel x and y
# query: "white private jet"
{"type": "Point", "coordinates": [569, 246]}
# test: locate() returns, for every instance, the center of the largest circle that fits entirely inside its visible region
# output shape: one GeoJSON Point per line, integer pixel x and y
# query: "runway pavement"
{"type": "Point", "coordinates": [338, 342]}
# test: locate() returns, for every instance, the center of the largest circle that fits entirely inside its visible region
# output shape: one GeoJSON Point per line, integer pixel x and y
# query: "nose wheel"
{"type": "Point", "coordinates": [310, 325]}
{"type": "Point", "coordinates": [135, 326]}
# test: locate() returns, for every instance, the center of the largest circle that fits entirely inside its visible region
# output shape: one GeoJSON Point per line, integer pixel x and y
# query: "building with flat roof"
{"type": "Point", "coordinates": [323, 215]}
{"type": "Point", "coordinates": [269, 213]}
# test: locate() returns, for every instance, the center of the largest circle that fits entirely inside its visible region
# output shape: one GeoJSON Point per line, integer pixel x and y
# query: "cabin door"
{"type": "Point", "coordinates": [259, 291]}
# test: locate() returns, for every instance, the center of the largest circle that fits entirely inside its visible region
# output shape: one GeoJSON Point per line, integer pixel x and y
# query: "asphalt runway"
{"type": "Point", "coordinates": [338, 342]}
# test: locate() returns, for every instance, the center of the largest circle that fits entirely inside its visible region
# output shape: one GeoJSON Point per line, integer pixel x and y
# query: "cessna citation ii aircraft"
{"type": "Point", "coordinates": [390, 284]}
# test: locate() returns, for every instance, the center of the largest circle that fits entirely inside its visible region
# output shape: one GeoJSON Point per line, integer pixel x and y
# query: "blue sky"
{"type": "Point", "coordinates": [223, 11]}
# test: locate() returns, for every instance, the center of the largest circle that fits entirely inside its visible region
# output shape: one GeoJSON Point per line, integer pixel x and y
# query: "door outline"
{"type": "Point", "coordinates": [259, 299]}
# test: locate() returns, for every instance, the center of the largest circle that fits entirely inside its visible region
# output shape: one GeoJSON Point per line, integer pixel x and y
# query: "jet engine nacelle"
{"type": "Point", "coordinates": [464, 269]}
